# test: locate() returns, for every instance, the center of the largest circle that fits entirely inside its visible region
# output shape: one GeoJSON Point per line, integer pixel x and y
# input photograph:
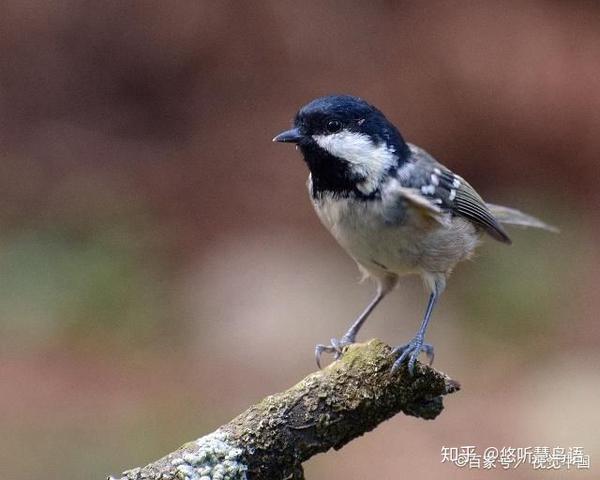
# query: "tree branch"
{"type": "Point", "coordinates": [327, 409]}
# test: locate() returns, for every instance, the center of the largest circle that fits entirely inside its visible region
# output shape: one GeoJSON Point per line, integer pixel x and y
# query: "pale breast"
{"type": "Point", "coordinates": [414, 245]}
{"type": "Point", "coordinates": [362, 231]}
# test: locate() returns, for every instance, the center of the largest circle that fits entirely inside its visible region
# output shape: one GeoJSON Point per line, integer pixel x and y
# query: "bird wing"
{"type": "Point", "coordinates": [450, 192]}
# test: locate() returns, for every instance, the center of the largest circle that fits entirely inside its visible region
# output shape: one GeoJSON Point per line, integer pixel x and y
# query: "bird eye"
{"type": "Point", "coordinates": [334, 126]}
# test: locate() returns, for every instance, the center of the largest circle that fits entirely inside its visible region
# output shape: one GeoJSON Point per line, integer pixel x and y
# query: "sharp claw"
{"type": "Point", "coordinates": [403, 352]}
{"type": "Point", "coordinates": [336, 347]}
{"type": "Point", "coordinates": [318, 357]}
{"type": "Point", "coordinates": [404, 356]}
{"type": "Point", "coordinates": [319, 349]}
{"type": "Point", "coordinates": [411, 352]}
{"type": "Point", "coordinates": [411, 365]}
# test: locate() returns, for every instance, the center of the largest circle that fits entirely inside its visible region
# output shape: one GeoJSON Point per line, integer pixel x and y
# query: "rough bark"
{"type": "Point", "coordinates": [327, 409]}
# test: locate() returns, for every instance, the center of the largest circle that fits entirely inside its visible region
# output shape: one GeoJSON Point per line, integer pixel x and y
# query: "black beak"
{"type": "Point", "coordinates": [289, 136]}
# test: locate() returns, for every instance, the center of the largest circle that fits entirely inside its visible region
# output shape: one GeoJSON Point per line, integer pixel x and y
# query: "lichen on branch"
{"type": "Point", "coordinates": [327, 409]}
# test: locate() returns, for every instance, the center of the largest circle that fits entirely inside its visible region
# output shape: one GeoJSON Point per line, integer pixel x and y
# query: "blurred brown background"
{"type": "Point", "coordinates": [160, 264]}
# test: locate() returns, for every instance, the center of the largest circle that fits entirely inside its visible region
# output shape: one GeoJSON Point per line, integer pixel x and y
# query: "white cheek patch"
{"type": "Point", "coordinates": [368, 159]}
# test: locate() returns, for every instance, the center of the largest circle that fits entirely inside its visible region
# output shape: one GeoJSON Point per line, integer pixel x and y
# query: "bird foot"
{"type": "Point", "coordinates": [336, 348]}
{"type": "Point", "coordinates": [410, 351]}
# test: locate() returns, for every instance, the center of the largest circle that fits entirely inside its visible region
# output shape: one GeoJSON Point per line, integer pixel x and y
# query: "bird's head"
{"type": "Point", "coordinates": [348, 144]}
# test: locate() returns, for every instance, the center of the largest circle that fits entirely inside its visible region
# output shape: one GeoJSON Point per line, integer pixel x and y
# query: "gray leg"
{"type": "Point", "coordinates": [412, 349]}
{"type": "Point", "coordinates": [349, 337]}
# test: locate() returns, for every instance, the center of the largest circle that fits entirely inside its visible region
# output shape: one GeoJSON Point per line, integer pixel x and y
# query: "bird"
{"type": "Point", "coordinates": [391, 206]}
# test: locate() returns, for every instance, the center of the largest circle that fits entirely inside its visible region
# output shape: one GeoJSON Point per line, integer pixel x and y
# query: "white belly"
{"type": "Point", "coordinates": [414, 244]}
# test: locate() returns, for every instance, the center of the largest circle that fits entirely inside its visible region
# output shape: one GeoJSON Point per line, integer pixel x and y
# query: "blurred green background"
{"type": "Point", "coordinates": [160, 264]}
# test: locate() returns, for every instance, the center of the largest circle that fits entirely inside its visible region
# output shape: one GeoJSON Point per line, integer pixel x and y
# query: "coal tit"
{"type": "Point", "coordinates": [390, 205]}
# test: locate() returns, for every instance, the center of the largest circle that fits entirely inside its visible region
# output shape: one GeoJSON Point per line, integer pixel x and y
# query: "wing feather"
{"type": "Point", "coordinates": [452, 193]}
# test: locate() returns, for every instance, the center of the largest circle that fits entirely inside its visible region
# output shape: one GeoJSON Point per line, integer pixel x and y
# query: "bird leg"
{"type": "Point", "coordinates": [337, 345]}
{"type": "Point", "coordinates": [412, 349]}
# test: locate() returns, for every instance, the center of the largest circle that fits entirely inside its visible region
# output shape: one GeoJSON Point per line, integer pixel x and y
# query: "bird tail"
{"type": "Point", "coordinates": [510, 216]}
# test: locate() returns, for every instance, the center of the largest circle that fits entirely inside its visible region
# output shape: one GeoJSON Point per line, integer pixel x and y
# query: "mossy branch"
{"type": "Point", "coordinates": [327, 409]}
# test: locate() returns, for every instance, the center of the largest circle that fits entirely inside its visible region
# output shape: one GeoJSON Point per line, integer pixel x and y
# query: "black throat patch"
{"type": "Point", "coordinates": [332, 175]}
